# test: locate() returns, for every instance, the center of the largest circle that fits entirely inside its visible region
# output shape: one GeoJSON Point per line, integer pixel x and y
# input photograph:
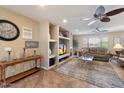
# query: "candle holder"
{"type": "Point", "coordinates": [9, 58]}
{"type": "Point", "coordinates": [34, 52]}
{"type": "Point", "coordinates": [23, 55]}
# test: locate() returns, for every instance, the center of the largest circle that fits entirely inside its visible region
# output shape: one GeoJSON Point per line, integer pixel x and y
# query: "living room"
{"type": "Point", "coordinates": [50, 47]}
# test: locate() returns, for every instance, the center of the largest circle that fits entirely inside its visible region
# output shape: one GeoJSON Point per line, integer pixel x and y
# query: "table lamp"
{"type": "Point", "coordinates": [118, 48]}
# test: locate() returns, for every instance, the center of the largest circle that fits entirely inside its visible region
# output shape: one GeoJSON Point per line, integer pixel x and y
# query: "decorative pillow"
{"type": "Point", "coordinates": [93, 50]}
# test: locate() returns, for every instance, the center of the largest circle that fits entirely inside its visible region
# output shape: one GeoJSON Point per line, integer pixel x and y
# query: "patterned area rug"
{"type": "Point", "coordinates": [98, 73]}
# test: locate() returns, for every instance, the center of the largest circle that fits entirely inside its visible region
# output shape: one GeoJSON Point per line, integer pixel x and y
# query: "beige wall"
{"type": "Point", "coordinates": [110, 35]}
{"type": "Point", "coordinates": [18, 44]}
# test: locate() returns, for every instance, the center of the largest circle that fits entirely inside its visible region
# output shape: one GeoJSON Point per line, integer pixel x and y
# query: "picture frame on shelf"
{"type": "Point", "coordinates": [60, 34]}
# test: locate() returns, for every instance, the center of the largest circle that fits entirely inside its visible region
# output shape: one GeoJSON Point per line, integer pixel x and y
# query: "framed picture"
{"type": "Point", "coordinates": [27, 33]}
{"type": "Point", "coordinates": [31, 44]}
{"type": "Point", "coordinates": [116, 40]}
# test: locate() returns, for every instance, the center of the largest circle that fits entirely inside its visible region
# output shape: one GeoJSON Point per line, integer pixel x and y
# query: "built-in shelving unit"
{"type": "Point", "coordinates": [52, 45]}
{"type": "Point", "coordinates": [64, 44]}
{"type": "Point", "coordinates": [58, 43]}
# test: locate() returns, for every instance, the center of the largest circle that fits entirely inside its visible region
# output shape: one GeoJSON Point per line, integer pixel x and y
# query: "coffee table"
{"type": "Point", "coordinates": [86, 58]}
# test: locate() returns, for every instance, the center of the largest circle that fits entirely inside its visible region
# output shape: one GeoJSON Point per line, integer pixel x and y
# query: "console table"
{"type": "Point", "coordinates": [4, 65]}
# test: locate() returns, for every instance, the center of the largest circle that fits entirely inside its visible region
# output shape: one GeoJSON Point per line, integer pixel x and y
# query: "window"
{"type": "Point", "coordinates": [104, 42]}
{"type": "Point", "coordinates": [95, 42]}
{"type": "Point", "coordinates": [85, 42]}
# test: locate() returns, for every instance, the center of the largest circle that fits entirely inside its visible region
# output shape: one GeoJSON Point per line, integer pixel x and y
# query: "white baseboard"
{"type": "Point", "coordinates": [44, 68]}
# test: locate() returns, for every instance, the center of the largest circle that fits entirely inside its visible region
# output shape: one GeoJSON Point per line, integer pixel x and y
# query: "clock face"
{"type": "Point", "coordinates": [8, 30]}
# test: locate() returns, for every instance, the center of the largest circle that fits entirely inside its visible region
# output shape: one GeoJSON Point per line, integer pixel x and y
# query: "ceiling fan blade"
{"type": "Point", "coordinates": [105, 19]}
{"type": "Point", "coordinates": [105, 30]}
{"type": "Point", "coordinates": [99, 11]}
{"type": "Point", "coordinates": [114, 12]}
{"type": "Point", "coordinates": [98, 30]}
{"type": "Point", "coordinates": [90, 23]}
{"type": "Point", "coordinates": [85, 19]}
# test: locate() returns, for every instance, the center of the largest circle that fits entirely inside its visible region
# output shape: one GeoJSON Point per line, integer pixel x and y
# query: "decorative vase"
{"type": "Point", "coordinates": [50, 52]}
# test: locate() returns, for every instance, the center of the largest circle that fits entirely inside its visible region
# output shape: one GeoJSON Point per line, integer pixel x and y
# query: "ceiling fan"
{"type": "Point", "coordinates": [102, 16]}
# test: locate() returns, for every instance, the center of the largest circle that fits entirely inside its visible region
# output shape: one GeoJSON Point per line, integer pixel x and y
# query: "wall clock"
{"type": "Point", "coordinates": [8, 30]}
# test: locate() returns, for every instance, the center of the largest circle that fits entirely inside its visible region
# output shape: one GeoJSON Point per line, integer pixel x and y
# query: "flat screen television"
{"type": "Point", "coordinates": [62, 49]}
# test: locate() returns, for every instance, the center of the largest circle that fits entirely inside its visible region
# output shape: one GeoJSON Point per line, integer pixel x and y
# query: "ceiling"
{"type": "Point", "coordinates": [73, 14]}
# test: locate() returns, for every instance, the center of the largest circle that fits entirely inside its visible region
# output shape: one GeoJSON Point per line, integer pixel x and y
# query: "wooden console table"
{"type": "Point", "coordinates": [4, 65]}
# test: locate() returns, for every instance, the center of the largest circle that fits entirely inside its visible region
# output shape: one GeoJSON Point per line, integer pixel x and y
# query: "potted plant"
{"type": "Point", "coordinates": [75, 45]}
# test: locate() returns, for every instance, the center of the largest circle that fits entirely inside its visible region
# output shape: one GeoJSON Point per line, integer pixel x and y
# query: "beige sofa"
{"type": "Point", "coordinates": [99, 54]}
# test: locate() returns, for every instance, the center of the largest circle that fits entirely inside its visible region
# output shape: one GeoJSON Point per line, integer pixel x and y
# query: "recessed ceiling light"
{"type": "Point", "coordinates": [64, 21]}
{"type": "Point", "coordinates": [42, 5]}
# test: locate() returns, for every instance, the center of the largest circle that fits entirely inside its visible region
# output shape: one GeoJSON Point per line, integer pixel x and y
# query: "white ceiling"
{"type": "Point", "coordinates": [73, 13]}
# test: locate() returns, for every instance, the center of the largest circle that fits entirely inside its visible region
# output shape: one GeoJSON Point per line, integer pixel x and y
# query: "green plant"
{"type": "Point", "coordinates": [75, 43]}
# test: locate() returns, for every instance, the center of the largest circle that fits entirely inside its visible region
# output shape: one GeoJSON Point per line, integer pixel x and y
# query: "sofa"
{"type": "Point", "coordinates": [100, 54]}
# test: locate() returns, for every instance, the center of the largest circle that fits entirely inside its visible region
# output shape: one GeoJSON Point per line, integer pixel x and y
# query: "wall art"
{"type": "Point", "coordinates": [31, 44]}
{"type": "Point", "coordinates": [27, 33]}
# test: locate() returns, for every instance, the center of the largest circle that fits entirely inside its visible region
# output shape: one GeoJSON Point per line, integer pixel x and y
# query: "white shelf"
{"type": "Point", "coordinates": [52, 56]}
{"type": "Point", "coordinates": [64, 55]}
{"type": "Point", "coordinates": [61, 37]}
{"type": "Point", "coordinates": [65, 60]}
{"type": "Point", "coordinates": [52, 40]}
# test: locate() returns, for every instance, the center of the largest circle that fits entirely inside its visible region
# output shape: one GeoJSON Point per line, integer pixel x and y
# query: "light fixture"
{"type": "Point", "coordinates": [118, 48]}
{"type": "Point", "coordinates": [64, 21]}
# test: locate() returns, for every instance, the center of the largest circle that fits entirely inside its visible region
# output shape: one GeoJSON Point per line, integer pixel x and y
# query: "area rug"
{"type": "Point", "coordinates": [97, 73]}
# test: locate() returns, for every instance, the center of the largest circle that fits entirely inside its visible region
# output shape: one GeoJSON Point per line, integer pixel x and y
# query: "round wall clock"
{"type": "Point", "coordinates": [8, 30]}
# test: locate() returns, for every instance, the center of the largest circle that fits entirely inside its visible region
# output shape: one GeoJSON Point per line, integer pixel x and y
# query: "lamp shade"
{"type": "Point", "coordinates": [118, 47]}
